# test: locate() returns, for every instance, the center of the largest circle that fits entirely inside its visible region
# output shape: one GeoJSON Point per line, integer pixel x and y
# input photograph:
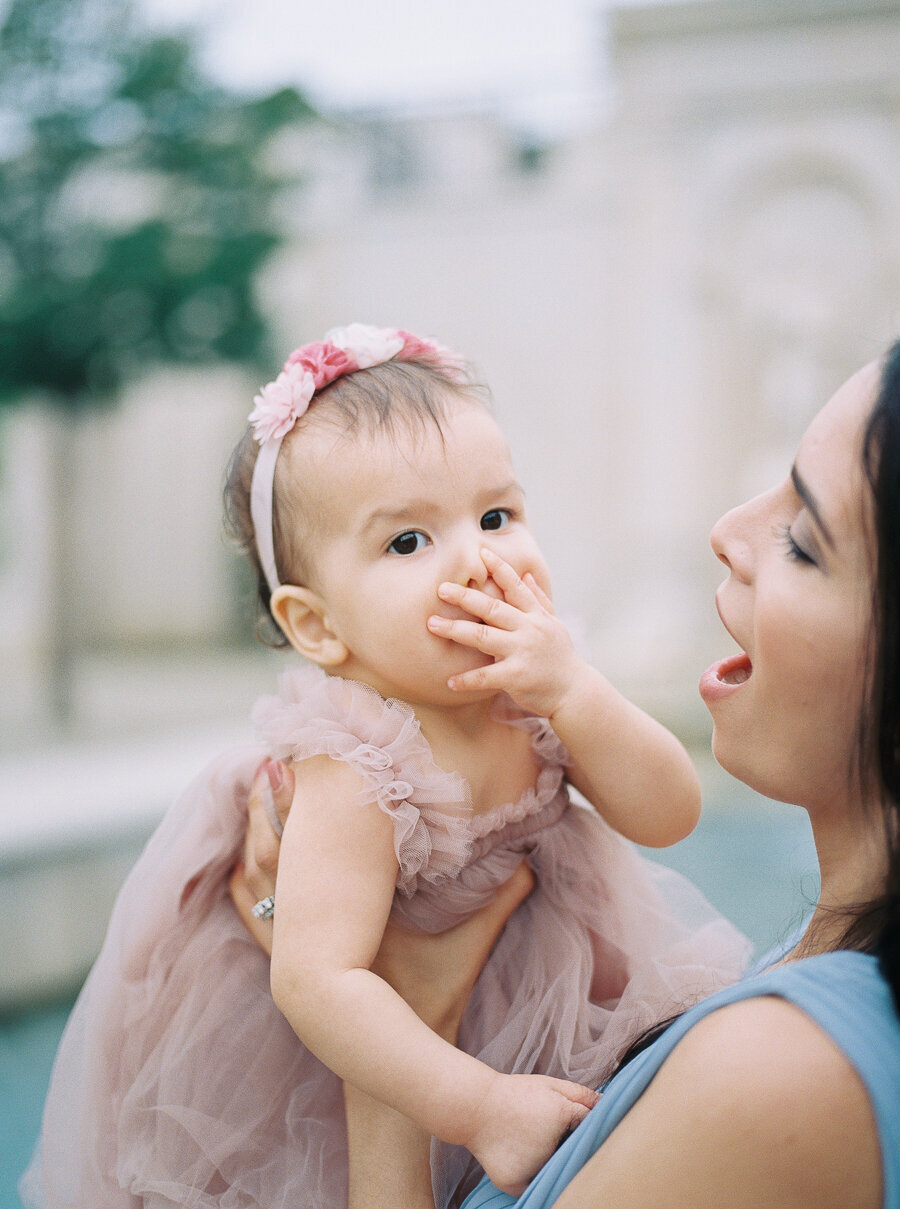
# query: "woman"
{"type": "Point", "coordinates": [784, 1091]}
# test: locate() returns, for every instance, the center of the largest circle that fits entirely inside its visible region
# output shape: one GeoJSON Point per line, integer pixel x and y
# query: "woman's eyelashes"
{"type": "Point", "coordinates": [794, 552]}
{"type": "Point", "coordinates": [409, 542]}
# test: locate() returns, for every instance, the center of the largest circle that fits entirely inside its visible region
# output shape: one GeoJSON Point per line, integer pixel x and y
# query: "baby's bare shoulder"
{"type": "Point", "coordinates": [324, 771]}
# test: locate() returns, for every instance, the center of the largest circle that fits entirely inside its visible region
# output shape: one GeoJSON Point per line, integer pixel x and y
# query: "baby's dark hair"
{"type": "Point", "coordinates": [392, 397]}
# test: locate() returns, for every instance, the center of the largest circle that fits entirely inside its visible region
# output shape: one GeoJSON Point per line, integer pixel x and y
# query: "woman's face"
{"type": "Point", "coordinates": [798, 602]}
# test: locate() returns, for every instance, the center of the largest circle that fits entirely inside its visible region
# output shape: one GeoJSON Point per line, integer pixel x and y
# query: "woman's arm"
{"type": "Point", "coordinates": [389, 1156]}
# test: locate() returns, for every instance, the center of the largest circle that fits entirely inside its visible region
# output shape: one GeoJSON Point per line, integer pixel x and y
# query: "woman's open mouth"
{"type": "Point", "coordinates": [725, 677]}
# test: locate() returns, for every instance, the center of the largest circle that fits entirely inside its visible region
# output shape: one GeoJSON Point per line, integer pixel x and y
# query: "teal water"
{"type": "Point", "coordinates": [27, 1045]}
{"type": "Point", "coordinates": [752, 859]}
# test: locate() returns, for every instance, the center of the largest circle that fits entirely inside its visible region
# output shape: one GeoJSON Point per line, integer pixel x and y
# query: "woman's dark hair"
{"type": "Point", "coordinates": [384, 397]}
{"type": "Point", "coordinates": [875, 927]}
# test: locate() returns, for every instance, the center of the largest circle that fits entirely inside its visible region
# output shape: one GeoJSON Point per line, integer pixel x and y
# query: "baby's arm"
{"type": "Point", "coordinates": [633, 771]}
{"type": "Point", "coordinates": [336, 876]}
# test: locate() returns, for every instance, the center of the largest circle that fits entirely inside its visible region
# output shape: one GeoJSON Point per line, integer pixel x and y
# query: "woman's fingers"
{"type": "Point", "coordinates": [244, 898]}
{"type": "Point", "coordinates": [435, 973]}
{"type": "Point", "coordinates": [268, 805]}
{"type": "Point", "coordinates": [277, 793]}
{"type": "Point", "coordinates": [253, 878]}
{"type": "Point", "coordinates": [492, 918]}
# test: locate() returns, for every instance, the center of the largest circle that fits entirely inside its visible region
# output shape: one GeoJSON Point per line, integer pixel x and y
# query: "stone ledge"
{"type": "Point", "coordinates": [73, 820]}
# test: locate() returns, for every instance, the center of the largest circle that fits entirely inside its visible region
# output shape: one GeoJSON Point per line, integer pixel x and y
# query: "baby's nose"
{"type": "Point", "coordinates": [479, 577]}
{"type": "Point", "coordinates": [471, 571]}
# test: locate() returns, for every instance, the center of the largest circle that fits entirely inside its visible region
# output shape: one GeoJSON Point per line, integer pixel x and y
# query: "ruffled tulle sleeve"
{"type": "Point", "coordinates": [315, 714]}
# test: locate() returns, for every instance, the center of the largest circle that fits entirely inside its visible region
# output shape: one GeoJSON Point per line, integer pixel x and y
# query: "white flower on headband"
{"type": "Point", "coordinates": [280, 404]}
{"type": "Point", "coordinates": [369, 345]}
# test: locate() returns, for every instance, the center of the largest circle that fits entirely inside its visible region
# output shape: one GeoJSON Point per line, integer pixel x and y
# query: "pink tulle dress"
{"type": "Point", "coordinates": [178, 1082]}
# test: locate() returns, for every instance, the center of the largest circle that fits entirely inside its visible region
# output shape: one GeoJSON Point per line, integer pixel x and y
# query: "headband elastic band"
{"type": "Point", "coordinates": [281, 403]}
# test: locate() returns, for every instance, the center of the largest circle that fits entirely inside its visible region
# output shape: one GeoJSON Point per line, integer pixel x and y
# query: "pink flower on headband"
{"type": "Point", "coordinates": [324, 360]}
{"type": "Point", "coordinates": [415, 346]}
{"type": "Point", "coordinates": [280, 404]}
{"type": "Point", "coordinates": [368, 345]}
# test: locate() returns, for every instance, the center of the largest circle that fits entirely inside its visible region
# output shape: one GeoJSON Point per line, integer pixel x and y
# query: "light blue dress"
{"type": "Point", "coordinates": [844, 993]}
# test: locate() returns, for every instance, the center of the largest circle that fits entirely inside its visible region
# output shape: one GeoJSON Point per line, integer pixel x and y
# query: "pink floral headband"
{"type": "Point", "coordinates": [310, 368]}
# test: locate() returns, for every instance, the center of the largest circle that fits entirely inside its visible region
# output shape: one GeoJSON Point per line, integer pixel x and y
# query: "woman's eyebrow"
{"type": "Point", "coordinates": [811, 504]}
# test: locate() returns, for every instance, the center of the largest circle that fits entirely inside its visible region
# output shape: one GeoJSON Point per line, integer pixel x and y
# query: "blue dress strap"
{"type": "Point", "coordinates": [844, 993]}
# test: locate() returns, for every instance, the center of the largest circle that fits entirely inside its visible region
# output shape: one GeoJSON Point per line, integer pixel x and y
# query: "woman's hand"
{"type": "Point", "coordinates": [435, 974]}
{"type": "Point", "coordinates": [253, 878]}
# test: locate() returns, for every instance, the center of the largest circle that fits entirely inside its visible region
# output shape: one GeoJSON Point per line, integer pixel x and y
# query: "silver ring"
{"type": "Point", "coordinates": [265, 908]}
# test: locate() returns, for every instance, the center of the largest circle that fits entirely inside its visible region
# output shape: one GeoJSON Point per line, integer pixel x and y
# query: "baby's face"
{"type": "Point", "coordinates": [404, 513]}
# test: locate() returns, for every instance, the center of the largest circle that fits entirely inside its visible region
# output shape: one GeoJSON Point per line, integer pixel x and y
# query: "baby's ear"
{"type": "Point", "coordinates": [301, 614]}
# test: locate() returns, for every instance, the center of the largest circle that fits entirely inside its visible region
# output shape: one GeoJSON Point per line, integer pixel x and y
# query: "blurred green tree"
{"type": "Point", "coordinates": [135, 211]}
{"type": "Point", "coordinates": [134, 208]}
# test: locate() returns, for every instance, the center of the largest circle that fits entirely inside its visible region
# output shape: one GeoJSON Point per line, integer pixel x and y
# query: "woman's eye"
{"type": "Point", "coordinates": [408, 543]}
{"type": "Point", "coordinates": [794, 552]}
{"type": "Point", "coordinates": [497, 518]}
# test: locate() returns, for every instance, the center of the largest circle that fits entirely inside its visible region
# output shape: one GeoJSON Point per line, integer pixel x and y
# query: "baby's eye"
{"type": "Point", "coordinates": [408, 543]}
{"type": "Point", "coordinates": [497, 518]}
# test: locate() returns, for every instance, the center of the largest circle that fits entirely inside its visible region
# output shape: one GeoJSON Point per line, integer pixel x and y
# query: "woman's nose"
{"type": "Point", "coordinates": [730, 541]}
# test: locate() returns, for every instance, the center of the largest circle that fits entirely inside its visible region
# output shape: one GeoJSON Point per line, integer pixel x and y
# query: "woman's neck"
{"type": "Point", "coordinates": [852, 855]}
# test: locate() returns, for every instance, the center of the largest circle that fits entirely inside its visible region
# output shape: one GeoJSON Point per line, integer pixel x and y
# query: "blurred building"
{"type": "Point", "coordinates": [658, 305]}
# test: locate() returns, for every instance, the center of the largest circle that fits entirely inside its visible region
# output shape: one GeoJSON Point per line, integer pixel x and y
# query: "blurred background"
{"type": "Point", "coordinates": [664, 233]}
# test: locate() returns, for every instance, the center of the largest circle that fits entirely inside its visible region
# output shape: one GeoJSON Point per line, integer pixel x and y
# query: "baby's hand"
{"type": "Point", "coordinates": [535, 660]}
{"type": "Point", "coordinates": [521, 1123]}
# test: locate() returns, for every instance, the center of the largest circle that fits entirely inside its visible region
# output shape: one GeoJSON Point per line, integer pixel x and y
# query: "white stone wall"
{"type": "Point", "coordinates": [757, 169]}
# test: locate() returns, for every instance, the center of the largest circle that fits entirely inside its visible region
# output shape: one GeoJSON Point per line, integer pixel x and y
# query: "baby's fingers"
{"type": "Point", "coordinates": [518, 592]}
{"type": "Point", "coordinates": [576, 1093]}
{"type": "Point", "coordinates": [493, 612]}
{"type": "Point", "coordinates": [539, 594]}
{"type": "Point", "coordinates": [475, 634]}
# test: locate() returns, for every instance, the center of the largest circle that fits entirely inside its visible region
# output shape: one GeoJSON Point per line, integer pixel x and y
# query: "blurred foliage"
{"type": "Point", "coordinates": [135, 206]}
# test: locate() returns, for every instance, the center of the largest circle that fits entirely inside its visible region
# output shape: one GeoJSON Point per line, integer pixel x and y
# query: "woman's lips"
{"type": "Point", "coordinates": [725, 677]}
